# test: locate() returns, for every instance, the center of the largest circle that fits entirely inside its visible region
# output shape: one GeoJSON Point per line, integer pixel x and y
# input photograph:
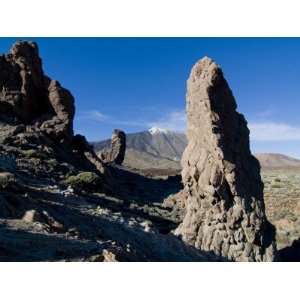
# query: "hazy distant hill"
{"type": "Point", "coordinates": [162, 149]}
{"type": "Point", "coordinates": [275, 160]}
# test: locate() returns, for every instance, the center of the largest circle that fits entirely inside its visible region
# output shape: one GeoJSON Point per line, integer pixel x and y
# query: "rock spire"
{"type": "Point", "coordinates": [225, 210]}
{"type": "Point", "coordinates": [116, 153]}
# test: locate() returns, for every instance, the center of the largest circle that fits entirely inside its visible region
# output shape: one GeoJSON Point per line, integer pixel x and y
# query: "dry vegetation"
{"type": "Point", "coordinates": [282, 198]}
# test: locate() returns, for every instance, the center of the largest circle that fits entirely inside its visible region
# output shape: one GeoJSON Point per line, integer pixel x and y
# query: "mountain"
{"type": "Point", "coordinates": [157, 142]}
{"type": "Point", "coordinates": [159, 148]}
{"type": "Point", "coordinates": [276, 160]}
{"type": "Point", "coordinates": [153, 149]}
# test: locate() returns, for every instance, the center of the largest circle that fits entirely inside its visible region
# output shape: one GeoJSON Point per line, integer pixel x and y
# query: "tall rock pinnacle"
{"type": "Point", "coordinates": [225, 210]}
{"type": "Point", "coordinates": [116, 153]}
{"type": "Point", "coordinates": [118, 146]}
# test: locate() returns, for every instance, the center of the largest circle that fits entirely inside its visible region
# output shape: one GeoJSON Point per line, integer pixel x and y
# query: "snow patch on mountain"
{"type": "Point", "coordinates": [157, 130]}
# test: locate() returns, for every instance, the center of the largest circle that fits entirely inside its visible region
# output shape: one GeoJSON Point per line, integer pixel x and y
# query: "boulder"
{"type": "Point", "coordinates": [225, 211]}
{"type": "Point", "coordinates": [32, 215]}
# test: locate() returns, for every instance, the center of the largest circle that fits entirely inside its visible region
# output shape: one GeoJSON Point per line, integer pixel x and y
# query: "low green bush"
{"type": "Point", "coordinates": [84, 181]}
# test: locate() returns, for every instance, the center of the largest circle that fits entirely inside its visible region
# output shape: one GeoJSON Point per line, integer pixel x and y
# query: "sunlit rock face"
{"type": "Point", "coordinates": [29, 97]}
{"type": "Point", "coordinates": [36, 114]}
{"type": "Point", "coordinates": [225, 210]}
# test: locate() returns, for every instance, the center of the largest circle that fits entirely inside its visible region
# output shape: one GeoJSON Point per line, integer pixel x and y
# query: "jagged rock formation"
{"type": "Point", "coordinates": [30, 97]}
{"type": "Point", "coordinates": [58, 201]}
{"type": "Point", "coordinates": [36, 114]}
{"type": "Point", "coordinates": [116, 153]}
{"type": "Point", "coordinates": [37, 145]}
{"type": "Point", "coordinates": [225, 210]}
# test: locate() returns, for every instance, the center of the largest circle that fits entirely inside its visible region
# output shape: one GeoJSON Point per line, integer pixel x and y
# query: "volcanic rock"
{"type": "Point", "coordinates": [225, 210]}
{"type": "Point", "coordinates": [58, 201]}
{"type": "Point", "coordinates": [36, 122]}
{"type": "Point", "coordinates": [32, 216]}
{"type": "Point", "coordinates": [116, 153]}
{"type": "Point", "coordinates": [28, 96]}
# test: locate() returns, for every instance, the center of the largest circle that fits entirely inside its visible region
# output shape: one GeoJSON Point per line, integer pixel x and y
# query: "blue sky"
{"type": "Point", "coordinates": [137, 83]}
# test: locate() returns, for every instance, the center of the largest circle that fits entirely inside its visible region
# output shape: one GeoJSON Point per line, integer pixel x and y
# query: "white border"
{"type": "Point", "coordinates": [55, 281]}
{"type": "Point", "coordinates": [34, 18]}
{"type": "Point", "coordinates": [151, 281]}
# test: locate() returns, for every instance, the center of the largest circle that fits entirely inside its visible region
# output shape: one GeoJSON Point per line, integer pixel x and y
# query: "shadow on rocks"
{"type": "Point", "coordinates": [133, 186]}
{"type": "Point", "coordinates": [290, 253]}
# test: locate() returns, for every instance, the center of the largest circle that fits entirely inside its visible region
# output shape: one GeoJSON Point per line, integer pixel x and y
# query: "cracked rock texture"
{"type": "Point", "coordinates": [36, 117]}
{"type": "Point", "coordinates": [28, 96]}
{"type": "Point", "coordinates": [116, 153]}
{"type": "Point", "coordinates": [58, 200]}
{"type": "Point", "coordinates": [36, 136]}
{"type": "Point", "coordinates": [225, 211]}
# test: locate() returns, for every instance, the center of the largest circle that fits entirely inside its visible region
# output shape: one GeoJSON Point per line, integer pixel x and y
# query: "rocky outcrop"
{"type": "Point", "coordinates": [118, 146]}
{"type": "Point", "coordinates": [58, 201]}
{"type": "Point", "coordinates": [36, 120]}
{"type": "Point", "coordinates": [116, 153]}
{"type": "Point", "coordinates": [29, 97]}
{"type": "Point", "coordinates": [225, 210]}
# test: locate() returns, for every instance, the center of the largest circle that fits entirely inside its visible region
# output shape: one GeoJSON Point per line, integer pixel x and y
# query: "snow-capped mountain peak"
{"type": "Point", "coordinates": [157, 130]}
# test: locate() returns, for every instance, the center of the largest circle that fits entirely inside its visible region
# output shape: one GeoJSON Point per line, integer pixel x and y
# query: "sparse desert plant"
{"type": "Point", "coordinates": [29, 153]}
{"type": "Point", "coordinates": [84, 181]}
{"type": "Point", "coordinates": [32, 153]}
{"type": "Point", "coordinates": [282, 199]}
{"type": "Point", "coordinates": [52, 163]}
{"type": "Point", "coordinates": [276, 186]}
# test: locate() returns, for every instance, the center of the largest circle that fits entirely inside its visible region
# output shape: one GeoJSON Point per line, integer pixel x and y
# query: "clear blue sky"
{"type": "Point", "coordinates": [136, 83]}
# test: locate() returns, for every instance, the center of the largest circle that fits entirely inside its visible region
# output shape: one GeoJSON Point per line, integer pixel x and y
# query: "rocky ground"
{"type": "Point", "coordinates": [45, 220]}
{"type": "Point", "coordinates": [42, 221]}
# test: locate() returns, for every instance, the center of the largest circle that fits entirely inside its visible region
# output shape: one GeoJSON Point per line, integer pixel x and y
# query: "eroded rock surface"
{"type": "Point", "coordinates": [58, 201]}
{"type": "Point", "coordinates": [36, 118]}
{"type": "Point", "coordinates": [116, 153]}
{"type": "Point", "coordinates": [225, 210]}
{"type": "Point", "coordinates": [30, 97]}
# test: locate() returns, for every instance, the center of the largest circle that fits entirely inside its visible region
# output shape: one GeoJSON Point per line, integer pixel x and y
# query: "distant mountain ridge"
{"type": "Point", "coordinates": [162, 148]}
{"type": "Point", "coordinates": [157, 142]}
{"type": "Point", "coordinates": [276, 160]}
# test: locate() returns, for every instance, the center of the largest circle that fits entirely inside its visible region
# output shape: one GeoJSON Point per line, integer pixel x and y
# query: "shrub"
{"type": "Point", "coordinates": [276, 186]}
{"type": "Point", "coordinates": [32, 153]}
{"type": "Point", "coordinates": [29, 153]}
{"type": "Point", "coordinates": [84, 181]}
